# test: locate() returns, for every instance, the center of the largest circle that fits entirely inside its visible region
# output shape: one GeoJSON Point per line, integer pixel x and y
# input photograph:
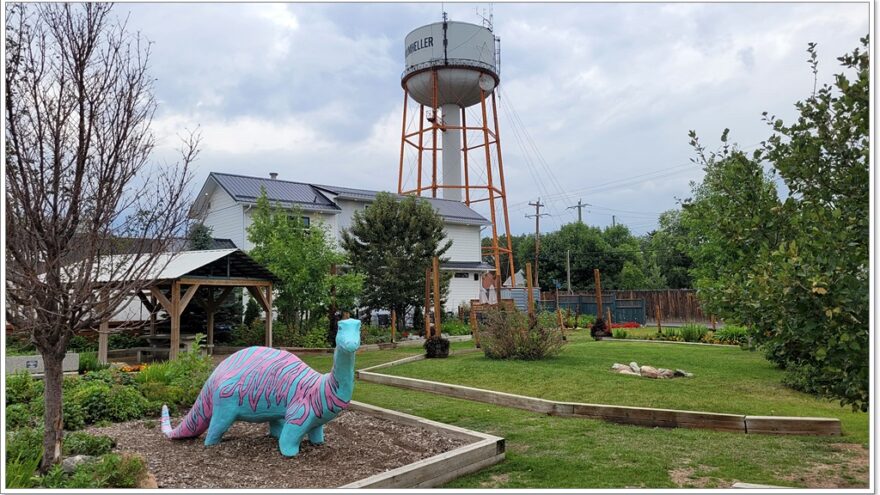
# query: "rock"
{"type": "Point", "coordinates": [650, 372]}
{"type": "Point", "coordinates": [618, 367]}
{"type": "Point", "coordinates": [665, 373]}
{"type": "Point", "coordinates": [627, 371]}
{"type": "Point", "coordinates": [635, 367]}
{"type": "Point", "coordinates": [683, 373]}
{"type": "Point", "coordinates": [69, 464]}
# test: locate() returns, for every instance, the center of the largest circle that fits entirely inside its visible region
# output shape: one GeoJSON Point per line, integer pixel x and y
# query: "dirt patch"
{"type": "Point", "coordinates": [846, 467]}
{"type": "Point", "coordinates": [684, 477]}
{"type": "Point", "coordinates": [496, 481]}
{"type": "Point", "coordinates": [358, 445]}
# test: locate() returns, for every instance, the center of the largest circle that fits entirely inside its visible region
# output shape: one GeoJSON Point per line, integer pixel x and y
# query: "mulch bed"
{"type": "Point", "coordinates": [357, 445]}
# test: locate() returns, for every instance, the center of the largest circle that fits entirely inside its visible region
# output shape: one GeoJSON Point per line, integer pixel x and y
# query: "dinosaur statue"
{"type": "Point", "coordinates": [260, 384]}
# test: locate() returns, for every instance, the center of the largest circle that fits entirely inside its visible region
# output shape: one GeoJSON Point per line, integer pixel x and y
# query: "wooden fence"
{"type": "Point", "coordinates": [675, 304]}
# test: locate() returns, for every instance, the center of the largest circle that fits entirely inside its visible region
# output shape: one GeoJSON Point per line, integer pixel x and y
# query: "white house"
{"type": "Point", "coordinates": [226, 202]}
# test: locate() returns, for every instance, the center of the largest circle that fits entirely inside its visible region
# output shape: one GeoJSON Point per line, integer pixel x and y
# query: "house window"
{"type": "Point", "coordinates": [306, 221]}
{"type": "Point", "coordinates": [462, 275]}
{"type": "Point", "coordinates": [476, 277]}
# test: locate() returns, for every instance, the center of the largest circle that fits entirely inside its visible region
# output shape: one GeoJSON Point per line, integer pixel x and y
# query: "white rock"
{"type": "Point", "coordinates": [634, 367]}
{"type": "Point", "coordinates": [69, 464]}
{"type": "Point", "coordinates": [627, 371]}
{"type": "Point", "coordinates": [618, 366]}
{"type": "Point", "coordinates": [650, 372]}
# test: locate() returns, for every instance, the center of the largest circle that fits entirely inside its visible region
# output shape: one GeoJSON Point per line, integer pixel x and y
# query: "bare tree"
{"type": "Point", "coordinates": [79, 181]}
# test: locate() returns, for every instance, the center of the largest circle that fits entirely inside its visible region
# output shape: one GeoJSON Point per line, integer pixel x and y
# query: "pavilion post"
{"type": "Point", "coordinates": [154, 309]}
{"type": "Point", "coordinates": [175, 321]}
{"type": "Point", "coordinates": [103, 331]}
{"type": "Point", "coordinates": [268, 316]}
{"type": "Point", "coordinates": [210, 347]}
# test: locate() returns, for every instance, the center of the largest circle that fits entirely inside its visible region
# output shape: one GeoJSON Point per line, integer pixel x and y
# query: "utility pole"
{"type": "Point", "coordinates": [580, 206]}
{"type": "Point", "coordinates": [538, 205]}
{"type": "Point", "coordinates": [568, 270]}
{"type": "Point", "coordinates": [613, 220]}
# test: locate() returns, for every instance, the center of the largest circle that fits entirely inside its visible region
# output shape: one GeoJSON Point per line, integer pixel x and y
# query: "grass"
{"type": "Point", "coordinates": [551, 452]}
{"type": "Point", "coordinates": [727, 380]}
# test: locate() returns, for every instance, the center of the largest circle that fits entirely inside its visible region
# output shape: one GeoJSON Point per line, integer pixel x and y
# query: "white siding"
{"type": "Point", "coordinates": [348, 209]}
{"type": "Point", "coordinates": [461, 290]}
{"type": "Point", "coordinates": [329, 221]}
{"type": "Point", "coordinates": [465, 242]}
{"type": "Point", "coordinates": [225, 218]}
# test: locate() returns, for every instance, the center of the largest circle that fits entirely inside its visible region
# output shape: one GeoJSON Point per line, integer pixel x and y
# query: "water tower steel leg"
{"type": "Point", "coordinates": [402, 143]}
{"type": "Point", "coordinates": [491, 189]}
{"type": "Point", "coordinates": [503, 188]}
{"type": "Point", "coordinates": [421, 147]}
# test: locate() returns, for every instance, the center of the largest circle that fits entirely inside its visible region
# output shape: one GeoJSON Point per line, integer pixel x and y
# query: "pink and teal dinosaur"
{"type": "Point", "coordinates": [261, 384]}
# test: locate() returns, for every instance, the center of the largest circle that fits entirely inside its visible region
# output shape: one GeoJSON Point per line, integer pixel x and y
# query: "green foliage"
{"type": "Point", "coordinates": [302, 257]}
{"type": "Point", "coordinates": [82, 443]}
{"type": "Point", "coordinates": [456, 327]}
{"type": "Point", "coordinates": [110, 471]}
{"type": "Point", "coordinates": [125, 341]}
{"type": "Point", "coordinates": [797, 271]}
{"type": "Point", "coordinates": [91, 398]}
{"type": "Point", "coordinates": [17, 416]}
{"type": "Point", "coordinates": [732, 334]}
{"type": "Point", "coordinates": [24, 443]}
{"type": "Point", "coordinates": [88, 361]}
{"type": "Point", "coordinates": [199, 237]}
{"type": "Point", "coordinates": [73, 415]}
{"type": "Point", "coordinates": [80, 344]}
{"type": "Point", "coordinates": [184, 376]}
{"type": "Point", "coordinates": [125, 403]}
{"type": "Point", "coordinates": [618, 333]}
{"type": "Point", "coordinates": [691, 332]}
{"type": "Point", "coordinates": [374, 335]}
{"type": "Point", "coordinates": [252, 312]}
{"type": "Point", "coordinates": [22, 388]}
{"type": "Point", "coordinates": [510, 335]}
{"type": "Point", "coordinates": [19, 346]}
{"type": "Point", "coordinates": [667, 249]}
{"type": "Point", "coordinates": [392, 243]}
{"type": "Point", "coordinates": [20, 470]}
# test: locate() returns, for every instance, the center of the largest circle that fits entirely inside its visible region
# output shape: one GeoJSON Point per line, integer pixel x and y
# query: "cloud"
{"type": "Point", "coordinates": [590, 92]}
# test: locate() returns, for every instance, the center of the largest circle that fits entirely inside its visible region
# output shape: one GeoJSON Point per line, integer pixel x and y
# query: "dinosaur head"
{"type": "Point", "coordinates": [348, 337]}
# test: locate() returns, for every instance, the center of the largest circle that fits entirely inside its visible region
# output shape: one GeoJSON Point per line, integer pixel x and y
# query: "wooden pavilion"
{"type": "Point", "coordinates": [205, 278]}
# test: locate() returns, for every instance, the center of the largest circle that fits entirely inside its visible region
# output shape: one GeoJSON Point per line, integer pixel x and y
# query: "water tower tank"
{"type": "Point", "coordinates": [462, 53]}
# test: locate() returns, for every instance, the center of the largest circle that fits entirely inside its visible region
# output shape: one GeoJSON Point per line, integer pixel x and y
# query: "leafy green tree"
{"type": "Point", "coordinates": [796, 271]}
{"type": "Point", "coordinates": [301, 257]}
{"type": "Point", "coordinates": [200, 237]}
{"type": "Point", "coordinates": [251, 312]}
{"type": "Point", "coordinates": [392, 243]}
{"type": "Point", "coordinates": [666, 248]}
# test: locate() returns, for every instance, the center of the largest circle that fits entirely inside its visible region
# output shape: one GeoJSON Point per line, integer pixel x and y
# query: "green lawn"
{"type": "Point", "coordinates": [546, 452]}
{"type": "Point", "coordinates": [727, 379]}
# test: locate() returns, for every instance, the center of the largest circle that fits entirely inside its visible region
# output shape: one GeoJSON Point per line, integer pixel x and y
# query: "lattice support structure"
{"type": "Point", "coordinates": [483, 178]}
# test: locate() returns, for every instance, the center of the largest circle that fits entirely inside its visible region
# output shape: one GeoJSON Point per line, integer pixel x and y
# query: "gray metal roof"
{"type": "Point", "coordinates": [247, 189]}
{"type": "Point", "coordinates": [171, 266]}
{"type": "Point", "coordinates": [452, 211]}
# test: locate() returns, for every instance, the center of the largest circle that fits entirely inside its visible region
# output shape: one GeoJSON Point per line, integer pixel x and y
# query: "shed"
{"type": "Point", "coordinates": [205, 277]}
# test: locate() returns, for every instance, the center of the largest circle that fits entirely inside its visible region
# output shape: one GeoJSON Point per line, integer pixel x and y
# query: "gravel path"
{"type": "Point", "coordinates": [357, 445]}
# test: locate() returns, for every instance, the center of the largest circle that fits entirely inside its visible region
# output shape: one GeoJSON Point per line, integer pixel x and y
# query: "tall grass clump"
{"type": "Point", "coordinates": [510, 335]}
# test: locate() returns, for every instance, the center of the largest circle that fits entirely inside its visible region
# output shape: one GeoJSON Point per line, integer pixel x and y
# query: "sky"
{"type": "Point", "coordinates": [596, 98]}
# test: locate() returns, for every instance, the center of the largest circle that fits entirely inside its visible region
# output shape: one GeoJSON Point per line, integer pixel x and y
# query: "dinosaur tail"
{"type": "Point", "coordinates": [194, 423]}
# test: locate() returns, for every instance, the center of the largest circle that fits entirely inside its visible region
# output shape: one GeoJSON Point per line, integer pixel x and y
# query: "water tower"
{"type": "Point", "coordinates": [451, 72]}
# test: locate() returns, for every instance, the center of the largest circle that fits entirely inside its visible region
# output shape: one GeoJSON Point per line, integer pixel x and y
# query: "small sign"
{"type": "Point", "coordinates": [31, 364]}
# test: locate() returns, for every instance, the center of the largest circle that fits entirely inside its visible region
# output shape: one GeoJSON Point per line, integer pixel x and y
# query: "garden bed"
{"type": "Point", "coordinates": [361, 444]}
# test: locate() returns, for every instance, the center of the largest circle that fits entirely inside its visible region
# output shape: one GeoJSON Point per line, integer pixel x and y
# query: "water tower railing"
{"type": "Point", "coordinates": [452, 63]}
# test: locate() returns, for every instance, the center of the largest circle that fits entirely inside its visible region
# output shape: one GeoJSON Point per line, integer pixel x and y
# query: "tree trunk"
{"type": "Point", "coordinates": [53, 422]}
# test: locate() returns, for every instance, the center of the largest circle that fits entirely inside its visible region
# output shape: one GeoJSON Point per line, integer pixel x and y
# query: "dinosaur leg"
{"type": "Point", "coordinates": [220, 422]}
{"type": "Point", "coordinates": [316, 435]}
{"type": "Point", "coordinates": [275, 427]}
{"type": "Point", "coordinates": [291, 437]}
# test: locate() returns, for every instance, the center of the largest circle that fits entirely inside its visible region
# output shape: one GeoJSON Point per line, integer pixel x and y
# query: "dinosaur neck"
{"type": "Point", "coordinates": [343, 371]}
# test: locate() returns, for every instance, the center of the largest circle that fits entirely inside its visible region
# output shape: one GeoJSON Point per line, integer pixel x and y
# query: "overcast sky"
{"type": "Point", "coordinates": [597, 99]}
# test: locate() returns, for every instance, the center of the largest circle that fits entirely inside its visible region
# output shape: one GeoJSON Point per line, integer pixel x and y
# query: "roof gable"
{"type": "Point", "coordinates": [248, 189]}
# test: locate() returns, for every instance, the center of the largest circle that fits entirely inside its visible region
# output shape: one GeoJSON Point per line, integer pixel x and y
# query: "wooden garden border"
{"type": "Point", "coordinates": [483, 450]}
{"type": "Point", "coordinates": [643, 341]}
{"type": "Point", "coordinates": [642, 416]}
